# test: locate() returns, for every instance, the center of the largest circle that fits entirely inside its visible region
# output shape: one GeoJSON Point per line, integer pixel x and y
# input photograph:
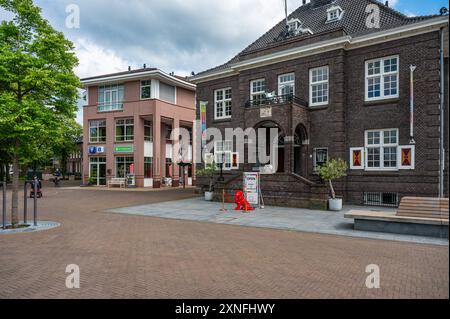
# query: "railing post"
{"type": "Point", "coordinates": [35, 185]}
{"type": "Point", "coordinates": [25, 203]}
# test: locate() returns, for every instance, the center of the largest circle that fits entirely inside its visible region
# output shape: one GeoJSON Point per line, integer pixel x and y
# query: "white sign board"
{"type": "Point", "coordinates": [265, 112]}
{"type": "Point", "coordinates": [251, 188]}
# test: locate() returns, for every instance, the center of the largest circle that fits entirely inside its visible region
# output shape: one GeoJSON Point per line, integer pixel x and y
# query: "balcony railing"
{"type": "Point", "coordinates": [275, 100]}
{"type": "Point", "coordinates": [110, 107]}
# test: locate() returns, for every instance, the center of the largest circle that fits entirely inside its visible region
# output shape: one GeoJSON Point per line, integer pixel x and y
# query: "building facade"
{"type": "Point", "coordinates": [74, 165]}
{"type": "Point", "coordinates": [128, 122]}
{"type": "Point", "coordinates": [336, 83]}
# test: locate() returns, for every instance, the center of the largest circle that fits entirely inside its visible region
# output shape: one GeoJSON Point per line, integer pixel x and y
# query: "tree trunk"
{"type": "Point", "coordinates": [15, 188]}
{"type": "Point", "coordinates": [333, 193]}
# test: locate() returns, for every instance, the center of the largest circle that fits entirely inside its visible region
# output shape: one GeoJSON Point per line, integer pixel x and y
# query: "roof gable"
{"type": "Point", "coordinates": [314, 17]}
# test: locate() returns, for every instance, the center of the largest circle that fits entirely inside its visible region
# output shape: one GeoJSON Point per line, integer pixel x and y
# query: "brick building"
{"type": "Point", "coordinates": [75, 161]}
{"type": "Point", "coordinates": [335, 80]}
{"type": "Point", "coordinates": [127, 122]}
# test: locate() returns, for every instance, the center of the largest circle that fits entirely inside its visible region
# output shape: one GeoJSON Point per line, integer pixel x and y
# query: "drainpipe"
{"type": "Point", "coordinates": [442, 120]}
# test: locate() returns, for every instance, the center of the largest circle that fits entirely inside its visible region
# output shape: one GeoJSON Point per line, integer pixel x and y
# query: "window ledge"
{"type": "Point", "coordinates": [223, 120]}
{"type": "Point", "coordinates": [381, 102]}
{"type": "Point", "coordinates": [115, 111]}
{"type": "Point", "coordinates": [318, 107]}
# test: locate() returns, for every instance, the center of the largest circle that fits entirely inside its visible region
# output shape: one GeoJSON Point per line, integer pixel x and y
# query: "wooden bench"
{"type": "Point", "coordinates": [415, 216]}
{"type": "Point", "coordinates": [423, 207]}
{"type": "Point", "coordinates": [121, 182]}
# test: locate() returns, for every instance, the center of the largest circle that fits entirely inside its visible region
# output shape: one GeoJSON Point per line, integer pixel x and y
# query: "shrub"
{"type": "Point", "coordinates": [331, 171]}
{"type": "Point", "coordinates": [209, 171]}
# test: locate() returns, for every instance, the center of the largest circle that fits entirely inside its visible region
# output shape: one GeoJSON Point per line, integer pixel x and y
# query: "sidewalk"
{"type": "Point", "coordinates": [303, 220]}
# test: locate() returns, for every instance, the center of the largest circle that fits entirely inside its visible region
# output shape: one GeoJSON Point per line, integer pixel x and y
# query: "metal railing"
{"type": "Point", "coordinates": [275, 100]}
{"type": "Point", "coordinates": [25, 203]}
{"type": "Point", "coordinates": [381, 199]}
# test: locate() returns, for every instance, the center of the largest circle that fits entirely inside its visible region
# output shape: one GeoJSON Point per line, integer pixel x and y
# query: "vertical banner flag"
{"type": "Point", "coordinates": [411, 106]}
{"type": "Point", "coordinates": [203, 105]}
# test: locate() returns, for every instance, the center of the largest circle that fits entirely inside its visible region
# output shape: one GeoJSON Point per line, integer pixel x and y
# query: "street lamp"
{"type": "Point", "coordinates": [221, 178]}
{"type": "Point", "coordinates": [182, 164]}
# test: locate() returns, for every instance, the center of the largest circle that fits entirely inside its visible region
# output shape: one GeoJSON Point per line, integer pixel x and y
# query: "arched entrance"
{"type": "Point", "coordinates": [266, 127]}
{"type": "Point", "coordinates": [301, 143]}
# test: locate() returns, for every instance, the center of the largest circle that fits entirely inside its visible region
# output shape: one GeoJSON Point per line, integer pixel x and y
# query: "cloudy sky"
{"type": "Point", "coordinates": [174, 35]}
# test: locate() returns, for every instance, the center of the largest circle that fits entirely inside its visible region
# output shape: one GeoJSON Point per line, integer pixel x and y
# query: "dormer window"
{"type": "Point", "coordinates": [295, 27]}
{"type": "Point", "coordinates": [334, 13]}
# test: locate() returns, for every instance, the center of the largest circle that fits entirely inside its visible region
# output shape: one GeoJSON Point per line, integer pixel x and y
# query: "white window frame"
{"type": "Point", "coordinates": [223, 147]}
{"type": "Point", "coordinates": [125, 124]}
{"type": "Point", "coordinates": [334, 10]}
{"type": "Point", "coordinates": [381, 75]}
{"type": "Point", "coordinates": [381, 146]}
{"type": "Point", "coordinates": [283, 84]}
{"type": "Point", "coordinates": [296, 26]}
{"type": "Point", "coordinates": [224, 100]}
{"type": "Point", "coordinates": [312, 84]}
{"type": "Point", "coordinates": [253, 94]}
{"type": "Point", "coordinates": [96, 140]}
{"type": "Point", "coordinates": [146, 86]}
{"type": "Point", "coordinates": [108, 90]}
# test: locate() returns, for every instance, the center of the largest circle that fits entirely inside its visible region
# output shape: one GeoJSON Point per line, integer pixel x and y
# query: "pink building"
{"type": "Point", "coordinates": [128, 121]}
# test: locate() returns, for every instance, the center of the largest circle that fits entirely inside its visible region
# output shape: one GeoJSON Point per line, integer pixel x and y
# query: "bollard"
{"type": "Point", "coordinates": [25, 203]}
{"type": "Point", "coordinates": [4, 203]}
{"type": "Point", "coordinates": [35, 185]}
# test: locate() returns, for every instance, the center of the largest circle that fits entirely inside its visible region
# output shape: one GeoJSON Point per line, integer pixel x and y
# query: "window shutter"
{"type": "Point", "coordinates": [357, 160]}
{"type": "Point", "coordinates": [235, 160]}
{"type": "Point", "coordinates": [407, 157]}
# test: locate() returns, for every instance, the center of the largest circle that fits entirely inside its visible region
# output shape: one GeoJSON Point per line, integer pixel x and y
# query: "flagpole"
{"type": "Point", "coordinates": [286, 11]}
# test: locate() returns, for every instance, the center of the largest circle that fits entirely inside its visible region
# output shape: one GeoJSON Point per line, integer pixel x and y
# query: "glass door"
{"type": "Point", "coordinates": [97, 171]}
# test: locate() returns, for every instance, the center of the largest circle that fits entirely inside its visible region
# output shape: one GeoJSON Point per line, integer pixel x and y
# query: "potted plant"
{"type": "Point", "coordinates": [209, 171]}
{"type": "Point", "coordinates": [331, 171]}
{"type": "Point", "coordinates": [92, 181]}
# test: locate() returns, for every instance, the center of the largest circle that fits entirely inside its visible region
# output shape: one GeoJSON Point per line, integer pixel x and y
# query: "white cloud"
{"type": "Point", "coordinates": [173, 35]}
{"type": "Point", "coordinates": [95, 60]}
{"type": "Point", "coordinates": [393, 3]}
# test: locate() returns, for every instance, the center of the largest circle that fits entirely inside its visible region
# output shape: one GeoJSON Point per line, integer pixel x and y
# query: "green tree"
{"type": "Point", "coordinates": [38, 87]}
{"type": "Point", "coordinates": [331, 171]}
{"type": "Point", "coordinates": [209, 171]}
{"type": "Point", "coordinates": [67, 143]}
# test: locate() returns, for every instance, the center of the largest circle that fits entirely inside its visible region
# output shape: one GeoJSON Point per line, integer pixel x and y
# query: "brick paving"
{"type": "Point", "coordinates": [126, 256]}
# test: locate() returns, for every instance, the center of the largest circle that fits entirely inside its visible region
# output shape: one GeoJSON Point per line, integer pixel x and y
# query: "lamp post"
{"type": "Point", "coordinates": [183, 164]}
{"type": "Point", "coordinates": [221, 178]}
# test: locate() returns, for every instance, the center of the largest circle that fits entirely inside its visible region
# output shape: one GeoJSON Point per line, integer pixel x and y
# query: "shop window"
{"type": "Point", "coordinates": [123, 165]}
